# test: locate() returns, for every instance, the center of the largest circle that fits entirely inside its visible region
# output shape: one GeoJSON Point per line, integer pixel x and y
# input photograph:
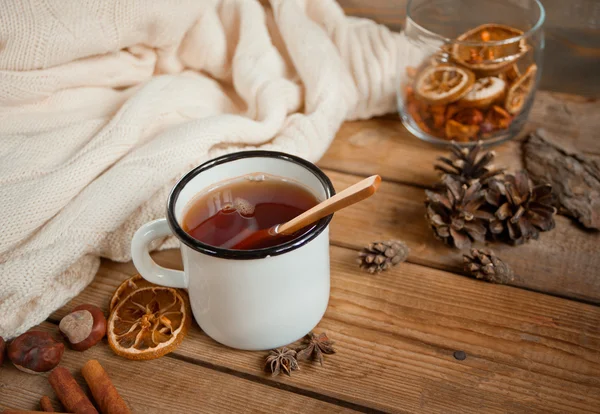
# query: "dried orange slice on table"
{"type": "Point", "coordinates": [520, 90]}
{"type": "Point", "coordinates": [443, 84]}
{"type": "Point", "coordinates": [493, 59]}
{"type": "Point", "coordinates": [127, 288]}
{"type": "Point", "coordinates": [149, 323]}
{"type": "Point", "coordinates": [484, 92]}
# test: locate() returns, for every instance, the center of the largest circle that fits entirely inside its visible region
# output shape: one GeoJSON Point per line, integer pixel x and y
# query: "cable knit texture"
{"type": "Point", "coordinates": [105, 103]}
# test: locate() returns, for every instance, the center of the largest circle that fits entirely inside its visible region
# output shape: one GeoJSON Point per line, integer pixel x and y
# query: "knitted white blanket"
{"type": "Point", "coordinates": [104, 104]}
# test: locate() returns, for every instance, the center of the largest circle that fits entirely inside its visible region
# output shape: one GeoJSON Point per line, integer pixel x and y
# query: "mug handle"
{"type": "Point", "coordinates": [143, 262]}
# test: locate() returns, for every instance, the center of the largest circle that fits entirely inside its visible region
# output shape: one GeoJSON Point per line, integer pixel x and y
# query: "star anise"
{"type": "Point", "coordinates": [281, 358]}
{"type": "Point", "coordinates": [314, 346]}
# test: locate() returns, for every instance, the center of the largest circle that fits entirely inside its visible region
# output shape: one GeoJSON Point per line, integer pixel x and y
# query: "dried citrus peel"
{"type": "Point", "coordinates": [462, 133]}
{"type": "Point", "coordinates": [495, 119]}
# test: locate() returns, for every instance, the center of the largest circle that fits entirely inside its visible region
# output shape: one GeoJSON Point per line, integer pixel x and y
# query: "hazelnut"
{"type": "Point", "coordinates": [2, 349]}
{"type": "Point", "coordinates": [35, 351]}
{"type": "Point", "coordinates": [84, 327]}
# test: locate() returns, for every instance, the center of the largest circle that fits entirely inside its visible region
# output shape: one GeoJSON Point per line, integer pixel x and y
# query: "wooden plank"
{"type": "Point", "coordinates": [159, 386]}
{"type": "Point", "coordinates": [575, 117]}
{"type": "Point", "coordinates": [572, 52]}
{"type": "Point", "coordinates": [396, 333]}
{"type": "Point", "coordinates": [383, 146]}
{"type": "Point", "coordinates": [562, 262]}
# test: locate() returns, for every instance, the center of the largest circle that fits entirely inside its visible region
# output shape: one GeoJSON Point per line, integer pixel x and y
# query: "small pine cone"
{"type": "Point", "coordinates": [484, 264]}
{"type": "Point", "coordinates": [469, 165]}
{"type": "Point", "coordinates": [379, 256]}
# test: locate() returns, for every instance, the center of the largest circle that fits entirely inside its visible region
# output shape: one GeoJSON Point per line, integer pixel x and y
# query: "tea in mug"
{"type": "Point", "coordinates": [227, 214]}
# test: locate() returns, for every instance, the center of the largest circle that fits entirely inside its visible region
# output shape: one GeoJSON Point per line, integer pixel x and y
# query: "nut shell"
{"type": "Point", "coordinates": [35, 351]}
{"type": "Point", "coordinates": [84, 327]}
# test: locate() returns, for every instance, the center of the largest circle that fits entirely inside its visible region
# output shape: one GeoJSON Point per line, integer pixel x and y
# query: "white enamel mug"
{"type": "Point", "coordinates": [247, 299]}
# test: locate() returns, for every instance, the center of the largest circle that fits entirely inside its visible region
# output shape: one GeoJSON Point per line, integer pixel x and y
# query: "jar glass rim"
{"type": "Point", "coordinates": [510, 40]}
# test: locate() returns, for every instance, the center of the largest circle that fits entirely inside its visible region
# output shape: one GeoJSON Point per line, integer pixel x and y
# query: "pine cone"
{"type": "Point", "coordinates": [379, 256]}
{"type": "Point", "coordinates": [520, 210]}
{"type": "Point", "coordinates": [484, 264]}
{"type": "Point", "coordinates": [455, 213]}
{"type": "Point", "coordinates": [469, 164]}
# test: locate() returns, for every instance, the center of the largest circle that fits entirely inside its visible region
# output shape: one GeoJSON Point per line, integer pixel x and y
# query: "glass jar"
{"type": "Point", "coordinates": [470, 69]}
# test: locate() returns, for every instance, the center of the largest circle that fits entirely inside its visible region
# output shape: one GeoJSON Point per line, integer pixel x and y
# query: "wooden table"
{"type": "Point", "coordinates": [532, 347]}
{"type": "Point", "coordinates": [527, 350]}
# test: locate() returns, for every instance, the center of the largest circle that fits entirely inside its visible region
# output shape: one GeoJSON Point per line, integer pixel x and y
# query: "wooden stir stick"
{"type": "Point", "coordinates": [351, 195]}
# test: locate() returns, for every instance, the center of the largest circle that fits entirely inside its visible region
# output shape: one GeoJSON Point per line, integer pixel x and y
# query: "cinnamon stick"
{"type": "Point", "coordinates": [46, 404]}
{"type": "Point", "coordinates": [106, 395]}
{"type": "Point", "coordinates": [69, 392]}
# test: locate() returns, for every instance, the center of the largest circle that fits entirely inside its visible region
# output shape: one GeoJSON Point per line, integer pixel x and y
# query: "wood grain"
{"type": "Point", "coordinates": [383, 146]}
{"type": "Point", "coordinates": [396, 333]}
{"type": "Point", "coordinates": [572, 52]}
{"type": "Point", "coordinates": [165, 385]}
{"type": "Point", "coordinates": [350, 195]}
{"type": "Point", "coordinates": [562, 262]}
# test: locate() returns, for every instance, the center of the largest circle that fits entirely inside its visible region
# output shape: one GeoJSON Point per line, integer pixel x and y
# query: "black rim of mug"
{"type": "Point", "coordinates": [256, 253]}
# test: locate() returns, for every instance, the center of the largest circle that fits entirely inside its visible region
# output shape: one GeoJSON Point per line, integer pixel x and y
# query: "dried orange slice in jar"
{"type": "Point", "coordinates": [126, 288]}
{"type": "Point", "coordinates": [510, 74]}
{"type": "Point", "coordinates": [520, 90]}
{"type": "Point", "coordinates": [489, 60]}
{"type": "Point", "coordinates": [149, 323]}
{"type": "Point", "coordinates": [443, 84]}
{"type": "Point", "coordinates": [484, 92]}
